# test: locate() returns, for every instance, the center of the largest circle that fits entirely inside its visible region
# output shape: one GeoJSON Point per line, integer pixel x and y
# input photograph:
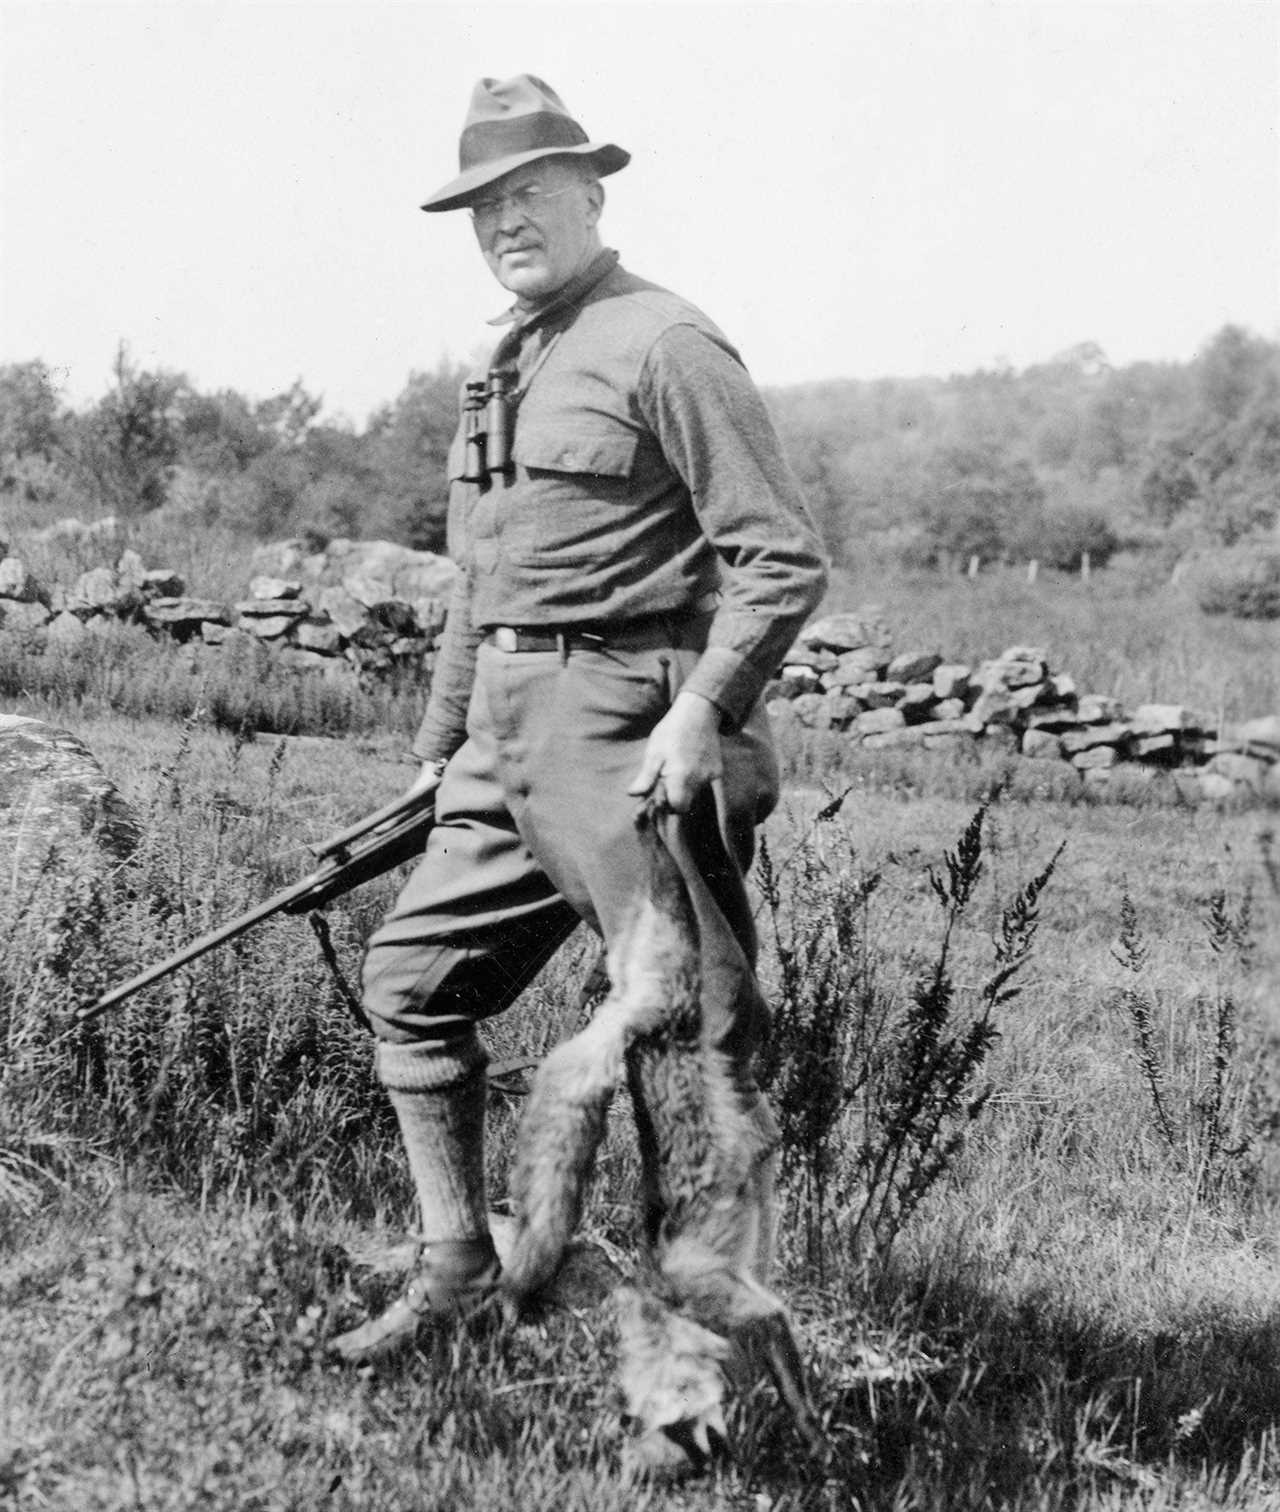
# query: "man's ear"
{"type": "Point", "coordinates": [595, 199]}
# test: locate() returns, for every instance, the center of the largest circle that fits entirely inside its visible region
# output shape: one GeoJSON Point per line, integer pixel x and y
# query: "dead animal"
{"type": "Point", "coordinates": [700, 1316]}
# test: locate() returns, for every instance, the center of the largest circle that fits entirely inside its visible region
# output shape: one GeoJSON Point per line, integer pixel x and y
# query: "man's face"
{"type": "Point", "coordinates": [537, 227]}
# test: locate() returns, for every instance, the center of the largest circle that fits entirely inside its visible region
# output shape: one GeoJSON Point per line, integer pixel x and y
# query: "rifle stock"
{"type": "Point", "coordinates": [394, 834]}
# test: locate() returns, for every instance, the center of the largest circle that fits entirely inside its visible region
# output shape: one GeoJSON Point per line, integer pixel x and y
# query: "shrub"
{"type": "Point", "coordinates": [1061, 537]}
{"type": "Point", "coordinates": [1244, 583]}
{"type": "Point", "coordinates": [1199, 1077]}
{"type": "Point", "coordinates": [875, 1082]}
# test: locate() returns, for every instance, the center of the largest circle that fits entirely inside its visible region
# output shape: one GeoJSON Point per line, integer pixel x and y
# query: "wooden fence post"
{"type": "Point", "coordinates": [1033, 567]}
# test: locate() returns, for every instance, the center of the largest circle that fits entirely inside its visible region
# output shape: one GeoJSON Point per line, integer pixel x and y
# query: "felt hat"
{"type": "Point", "coordinates": [512, 122]}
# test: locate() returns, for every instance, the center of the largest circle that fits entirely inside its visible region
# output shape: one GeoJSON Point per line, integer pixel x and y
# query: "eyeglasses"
{"type": "Point", "coordinates": [528, 201]}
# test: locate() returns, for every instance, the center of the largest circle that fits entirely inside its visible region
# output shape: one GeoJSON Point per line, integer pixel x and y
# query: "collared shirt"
{"type": "Point", "coordinates": [647, 475]}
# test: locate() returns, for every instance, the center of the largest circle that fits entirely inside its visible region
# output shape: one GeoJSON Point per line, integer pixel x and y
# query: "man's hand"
{"type": "Point", "coordinates": [683, 751]}
{"type": "Point", "coordinates": [428, 778]}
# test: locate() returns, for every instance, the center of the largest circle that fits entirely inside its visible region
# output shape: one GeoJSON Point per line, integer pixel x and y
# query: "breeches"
{"type": "Point", "coordinates": [535, 831]}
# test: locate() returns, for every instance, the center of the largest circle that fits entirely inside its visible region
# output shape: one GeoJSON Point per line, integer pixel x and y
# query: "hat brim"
{"type": "Point", "coordinates": [604, 157]}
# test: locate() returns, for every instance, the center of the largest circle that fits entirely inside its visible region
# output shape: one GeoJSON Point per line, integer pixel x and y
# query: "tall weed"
{"type": "Point", "coordinates": [244, 1070]}
{"type": "Point", "coordinates": [123, 669]}
{"type": "Point", "coordinates": [875, 1078]}
{"type": "Point", "coordinates": [927, 1091]}
{"type": "Point", "coordinates": [827, 1014]}
{"type": "Point", "coordinates": [1039, 1336]}
{"type": "Point", "coordinates": [1198, 1081]}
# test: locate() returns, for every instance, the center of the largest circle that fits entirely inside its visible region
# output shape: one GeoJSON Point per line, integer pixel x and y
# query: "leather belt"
{"type": "Point", "coordinates": [648, 633]}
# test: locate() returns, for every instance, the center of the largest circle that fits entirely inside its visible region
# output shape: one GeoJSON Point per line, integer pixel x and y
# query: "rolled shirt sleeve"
{"type": "Point", "coordinates": [716, 433]}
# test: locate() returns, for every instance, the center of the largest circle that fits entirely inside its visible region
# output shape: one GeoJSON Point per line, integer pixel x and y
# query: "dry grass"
{"type": "Point", "coordinates": [1069, 1319]}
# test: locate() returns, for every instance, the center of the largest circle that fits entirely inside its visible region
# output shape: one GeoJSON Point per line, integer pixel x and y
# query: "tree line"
{"type": "Point", "coordinates": [1066, 457]}
{"type": "Point", "coordinates": [269, 468]}
{"type": "Point", "coordinates": [1061, 458]}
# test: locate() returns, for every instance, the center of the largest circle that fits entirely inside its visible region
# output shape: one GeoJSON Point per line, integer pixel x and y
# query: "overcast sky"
{"type": "Point", "coordinates": [856, 189]}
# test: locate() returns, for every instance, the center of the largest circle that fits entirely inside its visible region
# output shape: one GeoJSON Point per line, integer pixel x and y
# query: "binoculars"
{"type": "Point", "coordinates": [489, 412]}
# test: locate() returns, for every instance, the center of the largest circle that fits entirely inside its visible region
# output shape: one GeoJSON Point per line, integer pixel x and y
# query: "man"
{"type": "Point", "coordinates": [636, 558]}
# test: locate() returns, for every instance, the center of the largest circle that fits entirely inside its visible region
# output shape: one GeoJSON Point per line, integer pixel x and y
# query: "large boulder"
{"type": "Point", "coordinates": [53, 794]}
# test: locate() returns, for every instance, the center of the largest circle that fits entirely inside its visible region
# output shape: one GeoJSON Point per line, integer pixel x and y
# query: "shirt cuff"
{"type": "Point", "coordinates": [434, 742]}
{"type": "Point", "coordinates": [728, 680]}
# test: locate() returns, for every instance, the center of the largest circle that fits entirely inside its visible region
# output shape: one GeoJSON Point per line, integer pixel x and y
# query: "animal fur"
{"type": "Point", "coordinates": [703, 1313]}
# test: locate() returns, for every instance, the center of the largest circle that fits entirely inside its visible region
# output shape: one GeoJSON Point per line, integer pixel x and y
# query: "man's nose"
{"type": "Point", "coordinates": [510, 214]}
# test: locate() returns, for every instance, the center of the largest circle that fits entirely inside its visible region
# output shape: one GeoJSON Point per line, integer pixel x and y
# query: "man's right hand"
{"type": "Point", "coordinates": [682, 752]}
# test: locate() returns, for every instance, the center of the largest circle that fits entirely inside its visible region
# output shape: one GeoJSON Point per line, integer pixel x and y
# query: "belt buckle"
{"type": "Point", "coordinates": [506, 639]}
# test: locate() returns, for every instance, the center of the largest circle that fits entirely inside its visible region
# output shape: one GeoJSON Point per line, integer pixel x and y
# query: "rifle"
{"type": "Point", "coordinates": [394, 834]}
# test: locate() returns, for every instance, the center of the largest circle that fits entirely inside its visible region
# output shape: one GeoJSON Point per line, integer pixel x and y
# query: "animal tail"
{"type": "Point", "coordinates": [560, 1132]}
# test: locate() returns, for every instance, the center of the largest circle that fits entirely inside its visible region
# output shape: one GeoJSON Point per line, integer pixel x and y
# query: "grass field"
{"type": "Point", "coordinates": [1082, 1310]}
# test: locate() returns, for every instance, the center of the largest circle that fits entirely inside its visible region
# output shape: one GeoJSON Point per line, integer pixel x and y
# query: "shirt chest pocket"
{"type": "Point", "coordinates": [571, 492]}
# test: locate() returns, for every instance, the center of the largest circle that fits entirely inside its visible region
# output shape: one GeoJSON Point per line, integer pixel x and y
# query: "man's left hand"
{"type": "Point", "coordinates": [683, 751]}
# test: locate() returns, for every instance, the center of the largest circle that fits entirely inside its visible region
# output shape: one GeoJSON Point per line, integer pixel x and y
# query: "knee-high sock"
{"type": "Point", "coordinates": [438, 1093]}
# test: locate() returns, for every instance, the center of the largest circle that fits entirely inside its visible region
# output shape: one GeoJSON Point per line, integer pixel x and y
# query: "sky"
{"type": "Point", "coordinates": [850, 190]}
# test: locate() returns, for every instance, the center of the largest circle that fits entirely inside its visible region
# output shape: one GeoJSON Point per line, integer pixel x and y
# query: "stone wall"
{"type": "Point", "coordinates": [843, 676]}
{"type": "Point", "coordinates": [365, 607]}
{"type": "Point", "coordinates": [361, 607]}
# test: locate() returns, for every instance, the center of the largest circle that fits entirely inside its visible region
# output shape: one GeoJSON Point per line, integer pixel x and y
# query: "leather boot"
{"type": "Point", "coordinates": [452, 1280]}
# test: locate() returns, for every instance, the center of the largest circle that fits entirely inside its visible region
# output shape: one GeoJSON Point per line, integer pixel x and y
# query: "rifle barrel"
{"type": "Point", "coordinates": [198, 947]}
{"type": "Point", "coordinates": [383, 845]}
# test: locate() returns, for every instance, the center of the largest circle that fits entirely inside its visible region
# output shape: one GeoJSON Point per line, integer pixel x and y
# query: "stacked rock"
{"type": "Point", "coordinates": [842, 676]}
{"type": "Point", "coordinates": [368, 608]}
{"type": "Point", "coordinates": [20, 603]}
{"type": "Point", "coordinates": [341, 619]}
